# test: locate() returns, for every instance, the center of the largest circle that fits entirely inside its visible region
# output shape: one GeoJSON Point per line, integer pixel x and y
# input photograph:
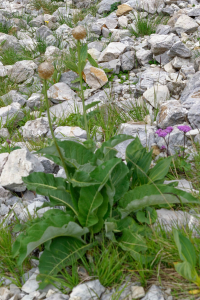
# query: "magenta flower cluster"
{"type": "Point", "coordinates": [164, 132]}
{"type": "Point", "coordinates": [184, 128]}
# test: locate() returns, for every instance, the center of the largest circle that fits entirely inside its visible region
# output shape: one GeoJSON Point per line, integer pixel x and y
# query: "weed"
{"type": "Point", "coordinates": [10, 56]}
{"type": "Point", "coordinates": [41, 45]}
{"type": "Point", "coordinates": [48, 7]}
{"type": "Point", "coordinates": [113, 7]}
{"type": "Point", "coordinates": [6, 85]}
{"type": "Point", "coordinates": [4, 28]}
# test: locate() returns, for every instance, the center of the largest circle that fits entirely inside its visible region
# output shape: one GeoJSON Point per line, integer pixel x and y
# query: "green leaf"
{"type": "Point", "coordinates": [92, 104]}
{"type": "Point", "coordinates": [64, 251]}
{"type": "Point", "coordinates": [72, 66]}
{"type": "Point", "coordinates": [92, 61]}
{"type": "Point", "coordinates": [120, 180]}
{"type": "Point", "coordinates": [107, 151]}
{"type": "Point", "coordinates": [55, 188]}
{"type": "Point", "coordinates": [83, 54]}
{"type": "Point", "coordinates": [45, 230]}
{"type": "Point", "coordinates": [148, 195]}
{"type": "Point", "coordinates": [90, 198]}
{"type": "Point", "coordinates": [131, 241]}
{"type": "Point", "coordinates": [185, 248]}
{"type": "Point", "coordinates": [160, 170]}
{"type": "Point", "coordinates": [142, 167]}
{"type": "Point", "coordinates": [148, 216]}
{"type": "Point", "coordinates": [186, 270]}
{"type": "Point", "coordinates": [75, 154]}
{"type": "Point", "coordinates": [133, 153]}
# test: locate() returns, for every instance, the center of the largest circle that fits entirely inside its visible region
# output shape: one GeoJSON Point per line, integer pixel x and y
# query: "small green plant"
{"type": "Point", "coordinates": [10, 56]}
{"type": "Point", "coordinates": [8, 147]}
{"type": "Point", "coordinates": [41, 45]}
{"type": "Point", "coordinates": [113, 7]}
{"type": "Point", "coordinates": [187, 253]}
{"type": "Point", "coordinates": [4, 28]}
{"type": "Point", "coordinates": [153, 62]}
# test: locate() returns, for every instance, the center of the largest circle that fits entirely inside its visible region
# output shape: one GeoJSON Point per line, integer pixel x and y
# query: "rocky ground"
{"type": "Point", "coordinates": [158, 72]}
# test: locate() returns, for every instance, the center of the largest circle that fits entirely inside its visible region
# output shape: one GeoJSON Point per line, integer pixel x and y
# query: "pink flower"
{"type": "Point", "coordinates": [184, 128]}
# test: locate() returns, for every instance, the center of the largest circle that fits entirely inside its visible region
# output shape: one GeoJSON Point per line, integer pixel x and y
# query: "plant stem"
{"type": "Point", "coordinates": [82, 93]}
{"type": "Point", "coordinates": [52, 133]}
{"type": "Point", "coordinates": [184, 146]}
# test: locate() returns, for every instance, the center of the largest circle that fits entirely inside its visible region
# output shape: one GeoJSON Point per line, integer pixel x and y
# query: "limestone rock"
{"type": "Point", "coordinates": [179, 49]}
{"type": "Point", "coordinates": [20, 163]}
{"type": "Point", "coordinates": [35, 129]}
{"type": "Point", "coordinates": [185, 24]}
{"type": "Point", "coordinates": [144, 56]}
{"type": "Point", "coordinates": [91, 290]}
{"type": "Point", "coordinates": [13, 96]}
{"type": "Point", "coordinates": [112, 51]}
{"type": "Point", "coordinates": [94, 77]}
{"type": "Point", "coordinates": [22, 70]}
{"type": "Point", "coordinates": [123, 9]}
{"type": "Point", "coordinates": [61, 92]}
{"type": "Point", "coordinates": [9, 111]}
{"type": "Point", "coordinates": [66, 132]}
{"type": "Point", "coordinates": [157, 95]}
{"type": "Point", "coordinates": [160, 43]}
{"type": "Point", "coordinates": [171, 113]}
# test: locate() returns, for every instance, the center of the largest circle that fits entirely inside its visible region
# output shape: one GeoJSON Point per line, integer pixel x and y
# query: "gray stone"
{"type": "Point", "coordinates": [4, 209]}
{"type": "Point", "coordinates": [144, 132]}
{"type": "Point", "coordinates": [22, 70]}
{"type": "Point", "coordinates": [144, 56]}
{"type": "Point", "coordinates": [68, 77]}
{"type": "Point", "coordinates": [81, 3]}
{"type": "Point", "coordinates": [157, 95]}
{"type": "Point", "coordinates": [176, 87]}
{"type": "Point", "coordinates": [37, 22]}
{"type": "Point", "coordinates": [4, 194]}
{"type": "Point", "coordinates": [161, 43]}
{"type": "Point", "coordinates": [171, 113]}
{"type": "Point", "coordinates": [185, 24]}
{"type": "Point", "coordinates": [163, 29]}
{"type": "Point", "coordinates": [194, 116]}
{"type": "Point", "coordinates": [179, 49]}
{"type": "Point", "coordinates": [10, 111]}
{"type": "Point", "coordinates": [13, 96]}
{"type": "Point", "coordinates": [4, 133]}
{"type": "Point", "coordinates": [5, 294]}
{"type": "Point", "coordinates": [20, 163]}
{"type": "Point", "coordinates": [154, 293]}
{"type": "Point", "coordinates": [127, 60]}
{"type": "Point", "coordinates": [105, 6]}
{"type": "Point", "coordinates": [96, 45]}
{"type": "Point", "coordinates": [34, 101]}
{"type": "Point", "coordinates": [91, 290]}
{"type": "Point", "coordinates": [35, 129]}
{"type": "Point", "coordinates": [150, 77]}
{"type": "Point", "coordinates": [112, 65]}
{"type": "Point", "coordinates": [163, 58]}
{"type": "Point", "coordinates": [3, 160]}
{"type": "Point", "coordinates": [65, 108]}
{"type": "Point", "coordinates": [192, 90]}
{"type": "Point", "coordinates": [179, 62]}
{"type": "Point", "coordinates": [112, 51]}
{"type": "Point", "coordinates": [194, 12]}
{"type": "Point", "coordinates": [9, 41]}
{"type": "Point", "coordinates": [61, 92]}
{"type": "Point", "coordinates": [49, 166]}
{"type": "Point", "coordinates": [66, 132]}
{"type": "Point", "coordinates": [43, 32]}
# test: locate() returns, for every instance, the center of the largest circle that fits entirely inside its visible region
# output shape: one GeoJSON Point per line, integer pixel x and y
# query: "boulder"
{"type": "Point", "coordinates": [22, 70]}
{"type": "Point", "coordinates": [20, 163]}
{"type": "Point", "coordinates": [35, 129]}
{"type": "Point", "coordinates": [112, 51]}
{"type": "Point", "coordinates": [61, 92]}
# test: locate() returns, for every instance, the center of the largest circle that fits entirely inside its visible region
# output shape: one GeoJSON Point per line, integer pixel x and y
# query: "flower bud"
{"type": "Point", "coordinates": [79, 33]}
{"type": "Point", "coordinates": [45, 70]}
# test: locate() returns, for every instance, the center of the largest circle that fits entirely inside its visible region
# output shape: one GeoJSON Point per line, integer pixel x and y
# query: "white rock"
{"type": "Point", "coordinates": [94, 53]}
{"type": "Point", "coordinates": [94, 77]}
{"type": "Point", "coordinates": [157, 95]}
{"type": "Point", "coordinates": [20, 163]}
{"type": "Point", "coordinates": [61, 92]}
{"type": "Point", "coordinates": [160, 43]}
{"type": "Point", "coordinates": [112, 51]}
{"type": "Point", "coordinates": [3, 160]}
{"type": "Point", "coordinates": [35, 129]}
{"type": "Point", "coordinates": [64, 132]}
{"type": "Point", "coordinates": [9, 111]}
{"type": "Point", "coordinates": [123, 21]}
{"type": "Point", "coordinates": [185, 24]}
{"type": "Point", "coordinates": [91, 290]}
{"type": "Point", "coordinates": [137, 292]}
{"type": "Point", "coordinates": [22, 70]}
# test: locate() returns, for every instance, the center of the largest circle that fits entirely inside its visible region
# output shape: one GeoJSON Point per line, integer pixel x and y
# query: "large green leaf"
{"type": "Point", "coordinates": [185, 248]}
{"type": "Point", "coordinates": [64, 251]}
{"type": "Point", "coordinates": [107, 151]}
{"type": "Point", "coordinates": [75, 154]}
{"type": "Point", "coordinates": [133, 153]}
{"type": "Point", "coordinates": [92, 61]}
{"type": "Point", "coordinates": [186, 270]}
{"type": "Point", "coordinates": [90, 197]}
{"type": "Point", "coordinates": [147, 195]}
{"type": "Point", "coordinates": [55, 188]}
{"type": "Point", "coordinates": [131, 241]}
{"type": "Point", "coordinates": [160, 170]}
{"type": "Point", "coordinates": [142, 167]}
{"type": "Point", "coordinates": [44, 231]}
{"type": "Point", "coordinates": [120, 180]}
{"type": "Point", "coordinates": [83, 54]}
{"type": "Point", "coordinates": [72, 66]}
